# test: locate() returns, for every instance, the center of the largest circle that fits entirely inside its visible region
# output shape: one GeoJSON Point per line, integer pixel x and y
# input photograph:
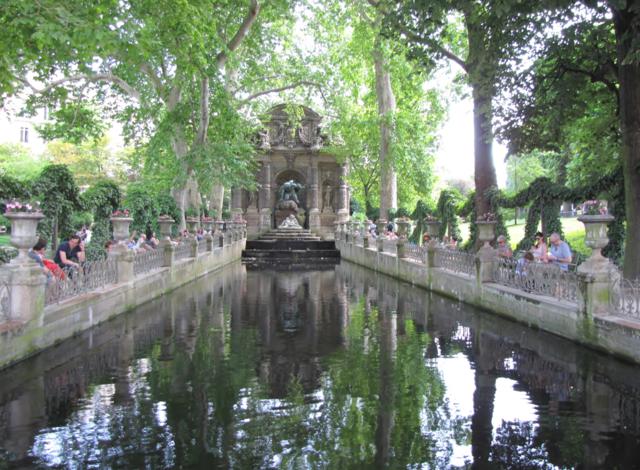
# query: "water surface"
{"type": "Point", "coordinates": [337, 368]}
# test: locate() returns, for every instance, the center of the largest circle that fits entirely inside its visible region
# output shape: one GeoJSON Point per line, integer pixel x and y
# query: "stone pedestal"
{"type": "Point", "coordinates": [27, 286]}
{"type": "Point", "coordinates": [314, 220]}
{"type": "Point", "coordinates": [124, 262]}
{"type": "Point", "coordinates": [597, 272]}
{"type": "Point", "coordinates": [265, 219]}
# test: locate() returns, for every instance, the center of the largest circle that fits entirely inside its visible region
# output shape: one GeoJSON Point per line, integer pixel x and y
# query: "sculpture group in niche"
{"type": "Point", "coordinates": [289, 192]}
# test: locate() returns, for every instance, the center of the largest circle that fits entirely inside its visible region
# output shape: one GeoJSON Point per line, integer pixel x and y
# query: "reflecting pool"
{"type": "Point", "coordinates": [336, 368]}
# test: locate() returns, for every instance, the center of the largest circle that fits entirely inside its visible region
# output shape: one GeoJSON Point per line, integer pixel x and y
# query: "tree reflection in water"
{"type": "Point", "coordinates": [215, 378]}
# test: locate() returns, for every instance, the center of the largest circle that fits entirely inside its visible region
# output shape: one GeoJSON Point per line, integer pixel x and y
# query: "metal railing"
{"type": "Point", "coordinates": [147, 260]}
{"type": "Point", "coordinates": [202, 246]}
{"type": "Point", "coordinates": [537, 278]}
{"type": "Point", "coordinates": [455, 260]}
{"type": "Point", "coordinates": [415, 252]}
{"type": "Point", "coordinates": [90, 276]}
{"type": "Point", "coordinates": [183, 250]}
{"type": "Point", "coordinates": [625, 296]}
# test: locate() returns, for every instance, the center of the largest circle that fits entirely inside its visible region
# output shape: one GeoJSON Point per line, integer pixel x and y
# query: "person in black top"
{"type": "Point", "coordinates": [70, 253]}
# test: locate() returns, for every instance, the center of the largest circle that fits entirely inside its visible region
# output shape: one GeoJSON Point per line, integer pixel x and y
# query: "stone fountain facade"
{"type": "Point", "coordinates": [294, 153]}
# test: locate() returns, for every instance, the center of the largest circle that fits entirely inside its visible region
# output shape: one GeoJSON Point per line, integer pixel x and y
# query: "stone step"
{"type": "Point", "coordinates": [290, 254]}
{"type": "Point", "coordinates": [290, 244]}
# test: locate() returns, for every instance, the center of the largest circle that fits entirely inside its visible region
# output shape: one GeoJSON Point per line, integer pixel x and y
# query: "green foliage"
{"type": "Point", "coordinates": [419, 215]}
{"type": "Point", "coordinates": [145, 206]}
{"type": "Point", "coordinates": [446, 209]}
{"type": "Point", "coordinates": [80, 219]}
{"type": "Point", "coordinates": [17, 162]}
{"type": "Point", "coordinates": [59, 195]}
{"type": "Point", "coordinates": [101, 199]}
{"type": "Point", "coordinates": [12, 188]}
{"type": "Point", "coordinates": [75, 123]}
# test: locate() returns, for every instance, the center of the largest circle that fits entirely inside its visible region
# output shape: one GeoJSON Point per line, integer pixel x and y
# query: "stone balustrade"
{"type": "Point", "coordinates": [592, 305]}
{"type": "Point", "coordinates": [36, 311]}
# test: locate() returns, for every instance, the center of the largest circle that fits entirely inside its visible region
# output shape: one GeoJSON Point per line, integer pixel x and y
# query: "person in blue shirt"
{"type": "Point", "coordinates": [559, 252]}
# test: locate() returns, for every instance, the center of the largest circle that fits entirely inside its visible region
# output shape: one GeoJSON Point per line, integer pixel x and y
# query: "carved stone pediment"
{"type": "Point", "coordinates": [281, 133]}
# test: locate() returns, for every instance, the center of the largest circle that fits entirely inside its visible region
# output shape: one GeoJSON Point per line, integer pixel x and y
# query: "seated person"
{"type": "Point", "coordinates": [539, 249]}
{"type": "Point", "coordinates": [389, 233]}
{"type": "Point", "coordinates": [559, 253]}
{"type": "Point", "coordinates": [521, 266]}
{"type": "Point", "coordinates": [503, 249]}
{"type": "Point", "coordinates": [37, 253]}
{"type": "Point", "coordinates": [70, 253]}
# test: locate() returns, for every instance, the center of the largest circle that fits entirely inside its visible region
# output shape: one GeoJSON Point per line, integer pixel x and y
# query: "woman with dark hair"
{"type": "Point", "coordinates": [539, 249]}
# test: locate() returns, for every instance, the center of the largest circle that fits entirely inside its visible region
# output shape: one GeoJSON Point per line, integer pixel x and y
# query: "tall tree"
{"type": "Point", "coordinates": [167, 59]}
{"type": "Point", "coordinates": [626, 19]}
{"type": "Point", "coordinates": [382, 119]}
{"type": "Point", "coordinates": [481, 38]}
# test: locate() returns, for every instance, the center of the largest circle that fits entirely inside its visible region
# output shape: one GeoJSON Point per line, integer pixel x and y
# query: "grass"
{"type": "Point", "coordinates": [573, 231]}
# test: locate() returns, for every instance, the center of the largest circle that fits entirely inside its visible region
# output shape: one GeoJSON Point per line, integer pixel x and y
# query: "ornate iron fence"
{"type": "Point", "coordinates": [148, 260]}
{"type": "Point", "coordinates": [90, 276]}
{"type": "Point", "coordinates": [183, 250]}
{"type": "Point", "coordinates": [415, 252]}
{"type": "Point", "coordinates": [537, 278]}
{"type": "Point", "coordinates": [625, 296]}
{"type": "Point", "coordinates": [455, 260]}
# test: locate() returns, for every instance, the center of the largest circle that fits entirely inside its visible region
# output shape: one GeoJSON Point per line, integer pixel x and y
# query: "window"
{"type": "Point", "coordinates": [24, 135]}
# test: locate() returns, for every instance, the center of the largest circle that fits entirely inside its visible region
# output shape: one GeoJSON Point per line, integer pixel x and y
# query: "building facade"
{"type": "Point", "coordinates": [294, 153]}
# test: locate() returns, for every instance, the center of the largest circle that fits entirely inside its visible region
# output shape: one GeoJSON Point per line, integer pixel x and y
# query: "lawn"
{"type": "Point", "coordinates": [573, 230]}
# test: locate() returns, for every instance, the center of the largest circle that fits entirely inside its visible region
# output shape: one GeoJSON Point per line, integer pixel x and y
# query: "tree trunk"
{"type": "Point", "coordinates": [386, 111]}
{"type": "Point", "coordinates": [481, 79]}
{"type": "Point", "coordinates": [627, 26]}
{"type": "Point", "coordinates": [216, 200]}
{"type": "Point", "coordinates": [181, 149]}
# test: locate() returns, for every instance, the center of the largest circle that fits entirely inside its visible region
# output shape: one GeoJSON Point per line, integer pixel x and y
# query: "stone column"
{"type": "Point", "coordinates": [265, 204]}
{"type": "Point", "coordinates": [597, 274]}
{"type": "Point", "coordinates": [486, 256]}
{"type": "Point", "coordinates": [403, 229]}
{"type": "Point", "coordinates": [314, 210]}
{"type": "Point", "coordinates": [124, 262]}
{"type": "Point", "coordinates": [236, 203]}
{"type": "Point", "coordinates": [343, 195]}
{"type": "Point", "coordinates": [380, 225]}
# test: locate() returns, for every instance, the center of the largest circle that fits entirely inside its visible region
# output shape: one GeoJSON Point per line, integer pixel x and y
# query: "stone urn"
{"type": "Point", "coordinates": [165, 227]}
{"type": "Point", "coordinates": [24, 226]}
{"type": "Point", "coordinates": [486, 231]}
{"type": "Point", "coordinates": [121, 228]}
{"type": "Point", "coordinates": [403, 227]}
{"type": "Point", "coordinates": [192, 223]}
{"type": "Point", "coordinates": [433, 228]}
{"type": "Point", "coordinates": [207, 223]}
{"type": "Point", "coordinates": [595, 227]}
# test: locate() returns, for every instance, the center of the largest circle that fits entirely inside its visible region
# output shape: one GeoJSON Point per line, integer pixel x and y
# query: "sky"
{"type": "Point", "coordinates": [454, 159]}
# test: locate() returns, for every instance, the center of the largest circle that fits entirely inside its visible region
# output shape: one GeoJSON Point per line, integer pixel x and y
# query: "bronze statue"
{"type": "Point", "coordinates": [289, 192]}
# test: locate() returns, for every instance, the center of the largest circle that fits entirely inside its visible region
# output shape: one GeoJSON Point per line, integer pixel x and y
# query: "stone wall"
{"type": "Point", "coordinates": [58, 321]}
{"type": "Point", "coordinates": [572, 320]}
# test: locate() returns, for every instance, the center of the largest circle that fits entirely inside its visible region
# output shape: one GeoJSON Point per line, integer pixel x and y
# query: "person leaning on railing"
{"type": "Point", "coordinates": [70, 254]}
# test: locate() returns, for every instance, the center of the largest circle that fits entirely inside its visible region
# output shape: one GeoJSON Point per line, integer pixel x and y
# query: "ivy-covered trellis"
{"type": "Point", "coordinates": [446, 213]}
{"type": "Point", "coordinates": [544, 198]}
{"type": "Point", "coordinates": [468, 209]}
{"type": "Point", "coordinates": [420, 214]}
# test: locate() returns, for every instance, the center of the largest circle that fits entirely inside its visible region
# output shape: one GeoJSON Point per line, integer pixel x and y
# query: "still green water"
{"type": "Point", "coordinates": [317, 369]}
